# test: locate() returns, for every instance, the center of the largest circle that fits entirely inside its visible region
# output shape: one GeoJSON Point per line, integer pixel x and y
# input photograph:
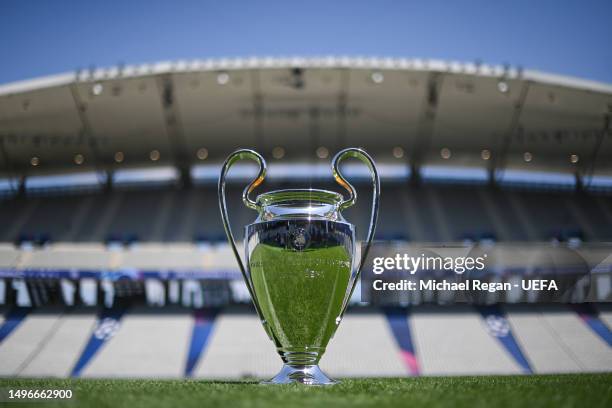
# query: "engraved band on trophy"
{"type": "Point", "coordinates": [300, 267]}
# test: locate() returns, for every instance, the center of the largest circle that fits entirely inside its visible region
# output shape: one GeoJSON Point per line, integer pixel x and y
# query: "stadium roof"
{"type": "Point", "coordinates": [412, 111]}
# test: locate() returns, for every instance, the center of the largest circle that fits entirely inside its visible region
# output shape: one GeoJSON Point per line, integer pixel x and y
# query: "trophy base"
{"type": "Point", "coordinates": [305, 374]}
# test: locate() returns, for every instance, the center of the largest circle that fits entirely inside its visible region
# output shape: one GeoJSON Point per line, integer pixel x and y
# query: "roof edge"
{"type": "Point", "coordinates": [37, 83]}
{"type": "Point", "coordinates": [331, 62]}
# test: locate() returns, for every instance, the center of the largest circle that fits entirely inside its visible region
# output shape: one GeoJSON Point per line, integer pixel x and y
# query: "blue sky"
{"type": "Point", "coordinates": [46, 37]}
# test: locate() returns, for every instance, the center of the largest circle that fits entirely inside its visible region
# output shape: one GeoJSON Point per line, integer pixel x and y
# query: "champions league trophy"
{"type": "Point", "coordinates": [300, 266]}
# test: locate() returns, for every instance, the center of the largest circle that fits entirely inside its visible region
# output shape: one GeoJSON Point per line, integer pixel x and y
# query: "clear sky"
{"type": "Point", "coordinates": [46, 37]}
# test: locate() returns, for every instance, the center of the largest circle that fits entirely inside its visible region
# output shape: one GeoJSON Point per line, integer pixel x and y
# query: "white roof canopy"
{"type": "Point", "coordinates": [188, 112]}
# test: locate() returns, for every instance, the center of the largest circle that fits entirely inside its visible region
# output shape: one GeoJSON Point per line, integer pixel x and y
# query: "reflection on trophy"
{"type": "Point", "coordinates": [300, 266]}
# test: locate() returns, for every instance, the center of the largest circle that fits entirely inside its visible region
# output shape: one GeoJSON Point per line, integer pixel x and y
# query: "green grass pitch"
{"type": "Point", "coordinates": [572, 390]}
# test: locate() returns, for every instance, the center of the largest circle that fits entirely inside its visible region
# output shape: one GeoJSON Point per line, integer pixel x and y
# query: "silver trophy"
{"type": "Point", "coordinates": [300, 266]}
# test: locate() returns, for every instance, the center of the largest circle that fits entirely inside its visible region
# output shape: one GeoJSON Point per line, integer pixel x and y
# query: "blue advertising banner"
{"type": "Point", "coordinates": [107, 326]}
{"type": "Point", "coordinates": [499, 327]}
{"type": "Point", "coordinates": [12, 320]}
{"type": "Point", "coordinates": [398, 323]}
{"type": "Point", "coordinates": [203, 325]}
{"type": "Point", "coordinates": [590, 316]}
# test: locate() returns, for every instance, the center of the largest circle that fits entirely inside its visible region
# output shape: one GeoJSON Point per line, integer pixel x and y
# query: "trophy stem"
{"type": "Point", "coordinates": [301, 374]}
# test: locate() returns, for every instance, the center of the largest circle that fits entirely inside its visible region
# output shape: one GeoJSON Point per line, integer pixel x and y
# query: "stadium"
{"type": "Point", "coordinates": [114, 261]}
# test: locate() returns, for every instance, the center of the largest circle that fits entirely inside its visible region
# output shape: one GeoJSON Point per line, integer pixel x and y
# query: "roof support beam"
{"type": "Point", "coordinates": [498, 160]}
{"type": "Point", "coordinates": [258, 110]}
{"type": "Point", "coordinates": [343, 96]}
{"type": "Point", "coordinates": [589, 166]}
{"type": "Point", "coordinates": [110, 180]}
{"type": "Point", "coordinates": [86, 132]}
{"type": "Point", "coordinates": [425, 127]}
{"type": "Point", "coordinates": [14, 178]}
{"type": "Point", "coordinates": [174, 128]}
{"type": "Point", "coordinates": [313, 130]}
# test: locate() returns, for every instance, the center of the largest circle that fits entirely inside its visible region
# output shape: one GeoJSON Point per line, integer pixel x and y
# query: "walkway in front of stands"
{"type": "Point", "coordinates": [230, 343]}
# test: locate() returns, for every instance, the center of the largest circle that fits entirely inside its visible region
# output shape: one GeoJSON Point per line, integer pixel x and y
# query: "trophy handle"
{"type": "Point", "coordinates": [229, 162]}
{"type": "Point", "coordinates": [368, 161]}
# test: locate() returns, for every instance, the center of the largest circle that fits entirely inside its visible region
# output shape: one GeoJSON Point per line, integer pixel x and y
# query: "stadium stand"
{"type": "Point", "coordinates": [420, 214]}
{"type": "Point", "coordinates": [121, 257]}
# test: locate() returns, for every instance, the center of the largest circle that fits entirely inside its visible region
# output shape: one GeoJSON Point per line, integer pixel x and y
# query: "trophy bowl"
{"type": "Point", "coordinates": [300, 266]}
